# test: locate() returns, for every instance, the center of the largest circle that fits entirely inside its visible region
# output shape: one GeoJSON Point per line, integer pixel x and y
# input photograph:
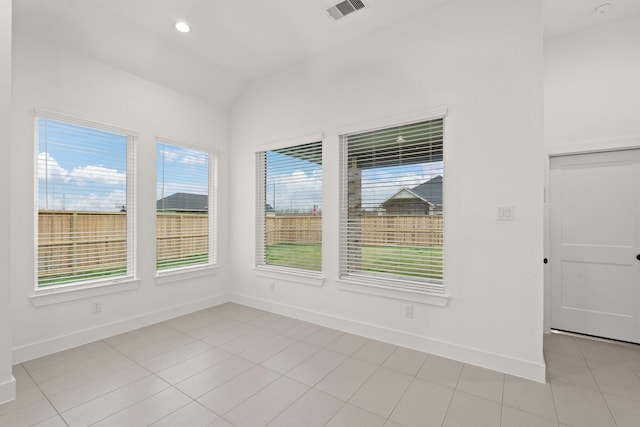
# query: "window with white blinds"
{"type": "Point", "coordinates": [289, 207]}
{"type": "Point", "coordinates": [184, 207]}
{"type": "Point", "coordinates": [391, 225]}
{"type": "Point", "coordinates": [85, 202]}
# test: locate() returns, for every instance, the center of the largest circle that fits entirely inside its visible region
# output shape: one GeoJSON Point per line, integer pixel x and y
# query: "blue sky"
{"type": "Point", "coordinates": [85, 169]}
{"type": "Point", "coordinates": [293, 183]}
{"type": "Point", "coordinates": [180, 170]}
{"type": "Point", "coordinates": [299, 186]}
{"type": "Point", "coordinates": [80, 168]}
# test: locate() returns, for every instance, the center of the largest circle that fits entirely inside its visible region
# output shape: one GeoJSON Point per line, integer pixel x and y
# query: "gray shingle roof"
{"type": "Point", "coordinates": [184, 202]}
{"type": "Point", "coordinates": [430, 190]}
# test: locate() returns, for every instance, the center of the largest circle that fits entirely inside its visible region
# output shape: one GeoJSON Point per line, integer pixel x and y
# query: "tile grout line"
{"type": "Point", "coordinates": [597, 384]}
{"type": "Point", "coordinates": [45, 397]}
{"type": "Point", "coordinates": [453, 395]}
{"type": "Point", "coordinates": [553, 396]}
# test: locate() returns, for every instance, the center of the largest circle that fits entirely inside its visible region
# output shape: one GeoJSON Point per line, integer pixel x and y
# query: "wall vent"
{"type": "Point", "coordinates": [344, 8]}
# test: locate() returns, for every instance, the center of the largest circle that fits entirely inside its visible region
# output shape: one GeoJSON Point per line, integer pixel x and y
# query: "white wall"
{"type": "Point", "coordinates": [7, 383]}
{"type": "Point", "coordinates": [49, 77]}
{"type": "Point", "coordinates": [592, 89]}
{"type": "Point", "coordinates": [591, 97]}
{"type": "Point", "coordinates": [481, 60]}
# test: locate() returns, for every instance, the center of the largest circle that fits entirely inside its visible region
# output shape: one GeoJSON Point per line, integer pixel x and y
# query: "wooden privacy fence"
{"type": "Point", "coordinates": [181, 235]}
{"type": "Point", "coordinates": [397, 230]}
{"type": "Point", "coordinates": [71, 242]}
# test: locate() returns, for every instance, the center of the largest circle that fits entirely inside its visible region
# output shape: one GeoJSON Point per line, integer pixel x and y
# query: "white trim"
{"type": "Point", "coordinates": [439, 299]}
{"type": "Point", "coordinates": [212, 150]}
{"type": "Point", "coordinates": [54, 115]}
{"type": "Point", "coordinates": [185, 273]}
{"type": "Point", "coordinates": [510, 365]}
{"type": "Point", "coordinates": [291, 142]}
{"type": "Point", "coordinates": [593, 146]}
{"type": "Point", "coordinates": [568, 149]}
{"type": "Point", "coordinates": [62, 290]}
{"type": "Point", "coordinates": [85, 336]}
{"type": "Point", "coordinates": [212, 199]}
{"type": "Point", "coordinates": [8, 391]}
{"type": "Point", "coordinates": [71, 292]}
{"type": "Point", "coordinates": [399, 120]}
{"type": "Point", "coordinates": [290, 275]}
{"type": "Point", "coordinates": [212, 209]}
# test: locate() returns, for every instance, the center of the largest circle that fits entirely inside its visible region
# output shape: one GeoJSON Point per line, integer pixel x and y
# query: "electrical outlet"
{"type": "Point", "coordinates": [272, 285]}
{"type": "Point", "coordinates": [96, 307]}
{"type": "Point", "coordinates": [408, 311]}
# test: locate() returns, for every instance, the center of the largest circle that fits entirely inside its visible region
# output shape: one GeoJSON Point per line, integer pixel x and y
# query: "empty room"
{"type": "Point", "coordinates": [317, 213]}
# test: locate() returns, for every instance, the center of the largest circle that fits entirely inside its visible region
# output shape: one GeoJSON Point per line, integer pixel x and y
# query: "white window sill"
{"type": "Point", "coordinates": [364, 287]}
{"type": "Point", "coordinates": [179, 274]}
{"type": "Point", "coordinates": [42, 297]}
{"type": "Point", "coordinates": [290, 275]}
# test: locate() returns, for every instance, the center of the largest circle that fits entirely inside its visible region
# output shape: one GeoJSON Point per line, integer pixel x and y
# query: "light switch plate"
{"type": "Point", "coordinates": [506, 213]}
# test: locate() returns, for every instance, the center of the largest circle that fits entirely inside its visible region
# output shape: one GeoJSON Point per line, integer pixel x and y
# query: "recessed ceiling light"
{"type": "Point", "coordinates": [183, 27]}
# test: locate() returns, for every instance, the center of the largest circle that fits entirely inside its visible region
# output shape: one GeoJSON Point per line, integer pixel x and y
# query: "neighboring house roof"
{"type": "Point", "coordinates": [429, 192]}
{"type": "Point", "coordinates": [184, 202]}
{"type": "Point", "coordinates": [405, 194]}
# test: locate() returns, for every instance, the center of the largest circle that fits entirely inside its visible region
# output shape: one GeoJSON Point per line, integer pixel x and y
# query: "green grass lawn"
{"type": "Point", "coordinates": [79, 277]}
{"type": "Point", "coordinates": [183, 262]}
{"type": "Point", "coordinates": [119, 271]}
{"type": "Point", "coordinates": [413, 261]}
{"type": "Point", "coordinates": [307, 256]}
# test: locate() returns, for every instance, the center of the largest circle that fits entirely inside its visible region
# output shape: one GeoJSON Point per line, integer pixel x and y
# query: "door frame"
{"type": "Point", "coordinates": [570, 149]}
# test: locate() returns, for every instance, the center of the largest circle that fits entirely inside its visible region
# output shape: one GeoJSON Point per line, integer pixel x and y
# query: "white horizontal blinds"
{"type": "Point", "coordinates": [85, 202]}
{"type": "Point", "coordinates": [261, 207]}
{"type": "Point", "coordinates": [182, 207]}
{"type": "Point", "coordinates": [391, 206]}
{"type": "Point", "coordinates": [290, 228]}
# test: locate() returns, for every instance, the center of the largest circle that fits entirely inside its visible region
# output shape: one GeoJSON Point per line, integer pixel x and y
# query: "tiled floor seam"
{"type": "Point", "coordinates": [246, 398]}
{"type": "Point", "coordinates": [399, 400]}
{"type": "Point", "coordinates": [446, 414]}
{"type": "Point", "coordinates": [114, 390]}
{"type": "Point", "coordinates": [595, 380]}
{"type": "Point", "coordinates": [45, 397]}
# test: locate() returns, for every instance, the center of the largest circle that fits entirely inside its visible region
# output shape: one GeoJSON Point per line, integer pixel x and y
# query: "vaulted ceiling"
{"type": "Point", "coordinates": [233, 42]}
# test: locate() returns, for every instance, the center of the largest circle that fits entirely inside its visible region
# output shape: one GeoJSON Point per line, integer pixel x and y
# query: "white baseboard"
{"type": "Point", "coordinates": [54, 345]}
{"type": "Point", "coordinates": [8, 391]}
{"type": "Point", "coordinates": [497, 362]}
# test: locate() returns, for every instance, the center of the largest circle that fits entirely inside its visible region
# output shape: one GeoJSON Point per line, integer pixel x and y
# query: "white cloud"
{"type": "Point", "coordinates": [296, 190]}
{"type": "Point", "coordinates": [50, 169]}
{"type": "Point", "coordinates": [112, 201]}
{"type": "Point", "coordinates": [98, 174]}
{"type": "Point", "coordinates": [194, 157]}
{"type": "Point", "coordinates": [170, 155]}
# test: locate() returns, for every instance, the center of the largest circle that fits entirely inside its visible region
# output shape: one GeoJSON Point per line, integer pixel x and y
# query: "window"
{"type": "Point", "coordinates": [289, 207]}
{"type": "Point", "coordinates": [85, 202]}
{"type": "Point", "coordinates": [184, 207]}
{"type": "Point", "coordinates": [391, 232]}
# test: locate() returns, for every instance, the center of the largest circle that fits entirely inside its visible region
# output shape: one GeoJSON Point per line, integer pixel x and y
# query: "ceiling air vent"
{"type": "Point", "coordinates": [344, 8]}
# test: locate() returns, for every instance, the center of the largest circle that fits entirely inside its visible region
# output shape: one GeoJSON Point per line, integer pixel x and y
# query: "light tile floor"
{"type": "Point", "coordinates": [236, 366]}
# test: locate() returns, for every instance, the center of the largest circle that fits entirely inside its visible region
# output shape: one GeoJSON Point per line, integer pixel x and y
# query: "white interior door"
{"type": "Point", "coordinates": [594, 260]}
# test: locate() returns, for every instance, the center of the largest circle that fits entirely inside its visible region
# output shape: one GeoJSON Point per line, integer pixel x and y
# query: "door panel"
{"type": "Point", "coordinates": [595, 276]}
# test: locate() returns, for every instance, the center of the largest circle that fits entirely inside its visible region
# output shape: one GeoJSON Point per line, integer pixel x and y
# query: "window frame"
{"type": "Point", "coordinates": [402, 287]}
{"type": "Point", "coordinates": [197, 270]}
{"type": "Point", "coordinates": [285, 273]}
{"type": "Point", "coordinates": [67, 291]}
